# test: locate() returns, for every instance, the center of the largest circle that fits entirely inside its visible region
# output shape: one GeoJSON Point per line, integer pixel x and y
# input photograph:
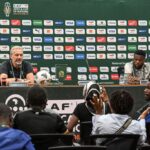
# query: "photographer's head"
{"type": "Point", "coordinates": [139, 59]}
{"type": "Point", "coordinates": [121, 102]}
{"type": "Point", "coordinates": [37, 97]}
{"type": "Point", "coordinates": [91, 88]}
{"type": "Point", "coordinates": [16, 55]}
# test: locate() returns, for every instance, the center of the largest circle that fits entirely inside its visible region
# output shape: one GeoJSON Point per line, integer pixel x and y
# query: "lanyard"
{"type": "Point", "coordinates": [20, 70]}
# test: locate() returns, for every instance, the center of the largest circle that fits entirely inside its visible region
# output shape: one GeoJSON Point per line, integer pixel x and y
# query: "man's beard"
{"type": "Point", "coordinates": [18, 64]}
{"type": "Point", "coordinates": [138, 67]}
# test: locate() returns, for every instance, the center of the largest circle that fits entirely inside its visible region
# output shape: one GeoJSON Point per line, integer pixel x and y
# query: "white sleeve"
{"type": "Point", "coordinates": [128, 68]}
{"type": "Point", "coordinates": [143, 136]}
{"type": "Point", "coordinates": [94, 122]}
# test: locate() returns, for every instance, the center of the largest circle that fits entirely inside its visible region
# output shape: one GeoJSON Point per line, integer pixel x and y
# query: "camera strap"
{"type": "Point", "coordinates": [119, 131]}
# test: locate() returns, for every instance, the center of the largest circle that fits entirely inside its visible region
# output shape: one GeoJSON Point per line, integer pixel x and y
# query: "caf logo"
{"type": "Point", "coordinates": [61, 74]}
{"type": "Point", "coordinates": [16, 102]}
{"type": "Point", "coordinates": [7, 9]}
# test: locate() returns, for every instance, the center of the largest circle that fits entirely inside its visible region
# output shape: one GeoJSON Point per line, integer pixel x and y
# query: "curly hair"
{"type": "Point", "coordinates": [121, 102]}
{"type": "Point", "coordinates": [36, 96]}
{"type": "Point", "coordinates": [140, 52]}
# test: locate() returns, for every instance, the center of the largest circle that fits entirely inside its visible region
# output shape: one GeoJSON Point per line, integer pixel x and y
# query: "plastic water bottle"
{"type": "Point", "coordinates": [121, 79]}
{"type": "Point", "coordinates": [125, 79]}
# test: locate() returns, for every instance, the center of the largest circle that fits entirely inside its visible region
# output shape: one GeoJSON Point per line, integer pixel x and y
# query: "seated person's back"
{"type": "Point", "coordinates": [36, 120]}
{"type": "Point", "coordinates": [121, 104]}
{"type": "Point", "coordinates": [84, 111]}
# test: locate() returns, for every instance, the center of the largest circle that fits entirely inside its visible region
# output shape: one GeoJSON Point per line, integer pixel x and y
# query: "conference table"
{"type": "Point", "coordinates": [63, 99]}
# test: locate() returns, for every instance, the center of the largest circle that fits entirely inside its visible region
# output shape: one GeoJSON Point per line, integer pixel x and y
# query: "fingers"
{"type": "Point", "coordinates": [148, 110]}
{"type": "Point", "coordinates": [145, 113]}
{"type": "Point", "coordinates": [132, 78]}
{"type": "Point", "coordinates": [104, 95]}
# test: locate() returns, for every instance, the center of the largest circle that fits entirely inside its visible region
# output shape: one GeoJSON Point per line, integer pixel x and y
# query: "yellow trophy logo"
{"type": "Point", "coordinates": [7, 9]}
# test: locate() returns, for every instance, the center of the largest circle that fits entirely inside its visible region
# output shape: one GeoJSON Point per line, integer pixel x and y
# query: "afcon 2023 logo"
{"type": "Point", "coordinates": [7, 9]}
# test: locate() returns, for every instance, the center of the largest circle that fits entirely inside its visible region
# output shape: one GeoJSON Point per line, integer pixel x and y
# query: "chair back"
{"type": "Point", "coordinates": [78, 148]}
{"type": "Point", "coordinates": [117, 141]}
{"type": "Point", "coordinates": [43, 141]}
{"type": "Point", "coordinates": [148, 132]}
{"type": "Point", "coordinates": [144, 147]}
{"type": "Point", "coordinates": [85, 131]}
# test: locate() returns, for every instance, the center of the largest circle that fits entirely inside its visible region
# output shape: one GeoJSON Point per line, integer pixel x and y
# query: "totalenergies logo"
{"type": "Point", "coordinates": [7, 9]}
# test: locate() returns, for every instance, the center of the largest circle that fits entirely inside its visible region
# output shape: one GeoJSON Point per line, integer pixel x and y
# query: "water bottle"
{"type": "Point", "coordinates": [121, 79]}
{"type": "Point", "coordinates": [125, 78]}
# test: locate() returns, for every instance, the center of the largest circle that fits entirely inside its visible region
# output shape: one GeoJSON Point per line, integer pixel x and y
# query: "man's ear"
{"type": "Point", "coordinates": [10, 56]}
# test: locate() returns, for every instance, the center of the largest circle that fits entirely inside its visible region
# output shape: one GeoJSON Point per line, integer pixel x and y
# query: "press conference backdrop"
{"type": "Point", "coordinates": [83, 39]}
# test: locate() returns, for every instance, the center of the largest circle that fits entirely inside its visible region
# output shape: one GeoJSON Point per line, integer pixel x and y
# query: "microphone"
{"type": "Point", "coordinates": [87, 63]}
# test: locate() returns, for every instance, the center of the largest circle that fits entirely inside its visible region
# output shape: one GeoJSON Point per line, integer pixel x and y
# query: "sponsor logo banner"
{"type": "Point", "coordinates": [4, 56]}
{"type": "Point", "coordinates": [4, 22]}
{"type": "Point", "coordinates": [104, 77]}
{"type": "Point", "coordinates": [82, 69]}
{"type": "Point", "coordinates": [69, 22]}
{"type": "Point", "coordinates": [93, 69]}
{"type": "Point", "coordinates": [69, 56]}
{"type": "Point", "coordinates": [4, 31]}
{"type": "Point", "coordinates": [114, 76]}
{"type": "Point", "coordinates": [48, 56]}
{"type": "Point", "coordinates": [79, 56]}
{"type": "Point", "coordinates": [48, 23]}
{"type": "Point", "coordinates": [122, 23]}
{"type": "Point", "coordinates": [82, 77]}
{"type": "Point", "coordinates": [80, 48]}
{"type": "Point", "coordinates": [20, 9]}
{"type": "Point", "coordinates": [104, 69]}
{"type": "Point", "coordinates": [27, 56]}
{"type": "Point", "coordinates": [16, 22]}
{"type": "Point", "coordinates": [26, 22]}
{"type": "Point", "coordinates": [4, 48]}
{"type": "Point", "coordinates": [80, 23]}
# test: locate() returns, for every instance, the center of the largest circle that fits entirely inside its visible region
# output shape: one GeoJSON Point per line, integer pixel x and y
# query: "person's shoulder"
{"type": "Point", "coordinates": [128, 63]}
{"type": "Point", "coordinates": [103, 118]}
{"type": "Point", "coordinates": [49, 110]}
{"type": "Point", "coordinates": [81, 104]}
{"type": "Point", "coordinates": [23, 112]}
{"type": "Point", "coordinates": [26, 62]}
{"type": "Point", "coordinates": [6, 62]}
{"type": "Point", "coordinates": [18, 133]}
{"type": "Point", "coordinates": [147, 64]}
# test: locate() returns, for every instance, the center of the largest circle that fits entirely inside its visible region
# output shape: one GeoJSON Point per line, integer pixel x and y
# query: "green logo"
{"type": "Point", "coordinates": [37, 22]}
{"type": "Point", "coordinates": [132, 47]}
